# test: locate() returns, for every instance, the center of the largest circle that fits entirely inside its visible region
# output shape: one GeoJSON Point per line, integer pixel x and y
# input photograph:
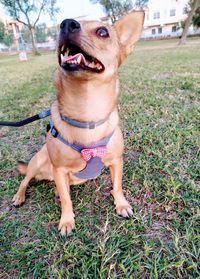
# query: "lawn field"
{"type": "Point", "coordinates": [160, 116]}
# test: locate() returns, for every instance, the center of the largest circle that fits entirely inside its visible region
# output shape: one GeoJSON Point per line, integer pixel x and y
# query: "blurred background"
{"type": "Point", "coordinates": [33, 26]}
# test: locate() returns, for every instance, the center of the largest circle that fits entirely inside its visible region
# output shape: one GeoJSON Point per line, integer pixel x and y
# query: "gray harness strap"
{"type": "Point", "coordinates": [84, 125]}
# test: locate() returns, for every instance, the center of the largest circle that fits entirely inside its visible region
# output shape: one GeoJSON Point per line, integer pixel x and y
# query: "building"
{"type": "Point", "coordinates": [15, 28]}
{"type": "Point", "coordinates": [163, 19]}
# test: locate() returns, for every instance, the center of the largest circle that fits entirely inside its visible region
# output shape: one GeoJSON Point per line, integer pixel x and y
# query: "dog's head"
{"type": "Point", "coordinates": [91, 48]}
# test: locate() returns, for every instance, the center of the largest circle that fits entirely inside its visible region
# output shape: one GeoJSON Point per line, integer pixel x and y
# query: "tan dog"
{"type": "Point", "coordinates": [86, 80]}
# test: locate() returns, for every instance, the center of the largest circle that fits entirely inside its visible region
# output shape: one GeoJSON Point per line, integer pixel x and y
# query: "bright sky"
{"type": "Point", "coordinates": [68, 9]}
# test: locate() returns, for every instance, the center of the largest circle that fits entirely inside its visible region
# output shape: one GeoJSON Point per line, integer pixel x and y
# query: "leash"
{"type": "Point", "coordinates": [28, 120]}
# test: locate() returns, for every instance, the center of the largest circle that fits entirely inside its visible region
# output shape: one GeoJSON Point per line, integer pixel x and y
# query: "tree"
{"type": "Point", "coordinates": [26, 36]}
{"type": "Point", "coordinates": [141, 3]}
{"type": "Point", "coordinates": [8, 39]}
{"type": "Point", "coordinates": [5, 37]}
{"type": "Point", "coordinates": [41, 33]}
{"type": "Point", "coordinates": [194, 5]}
{"type": "Point", "coordinates": [28, 12]}
{"type": "Point", "coordinates": [2, 31]}
{"type": "Point", "coordinates": [115, 8]}
{"type": "Point", "coordinates": [196, 18]}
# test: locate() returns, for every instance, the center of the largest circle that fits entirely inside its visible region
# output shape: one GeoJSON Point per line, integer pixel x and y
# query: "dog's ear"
{"type": "Point", "coordinates": [129, 29]}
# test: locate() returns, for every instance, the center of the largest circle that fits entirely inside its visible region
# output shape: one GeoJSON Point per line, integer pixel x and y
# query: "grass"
{"type": "Point", "coordinates": [159, 108]}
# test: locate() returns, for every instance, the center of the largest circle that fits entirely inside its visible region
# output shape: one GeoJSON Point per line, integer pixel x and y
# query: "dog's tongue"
{"type": "Point", "coordinates": [77, 58]}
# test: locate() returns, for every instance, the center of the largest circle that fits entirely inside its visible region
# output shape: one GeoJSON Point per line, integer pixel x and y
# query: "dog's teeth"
{"type": "Point", "coordinates": [91, 65]}
{"type": "Point", "coordinates": [79, 59]}
{"type": "Point", "coordinates": [62, 48]}
{"type": "Point", "coordinates": [61, 57]}
{"type": "Point", "coordinates": [67, 52]}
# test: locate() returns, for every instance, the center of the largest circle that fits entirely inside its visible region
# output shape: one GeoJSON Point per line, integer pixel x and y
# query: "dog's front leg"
{"type": "Point", "coordinates": [123, 207]}
{"type": "Point", "coordinates": [67, 223]}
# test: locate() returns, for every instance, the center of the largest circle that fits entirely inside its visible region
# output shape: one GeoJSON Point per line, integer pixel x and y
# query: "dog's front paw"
{"type": "Point", "coordinates": [67, 224]}
{"type": "Point", "coordinates": [18, 199]}
{"type": "Point", "coordinates": [124, 210]}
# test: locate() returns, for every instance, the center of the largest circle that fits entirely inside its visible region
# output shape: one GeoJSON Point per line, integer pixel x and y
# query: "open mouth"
{"type": "Point", "coordinates": [73, 58]}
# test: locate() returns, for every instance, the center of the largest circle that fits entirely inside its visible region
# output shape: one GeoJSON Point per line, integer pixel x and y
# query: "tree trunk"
{"type": "Point", "coordinates": [33, 40]}
{"type": "Point", "coordinates": [188, 21]}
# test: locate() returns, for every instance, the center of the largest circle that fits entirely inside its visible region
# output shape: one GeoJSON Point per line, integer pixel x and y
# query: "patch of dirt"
{"type": "Point", "coordinates": [128, 90]}
{"type": "Point", "coordinates": [5, 206]}
{"type": "Point", "coordinates": [160, 215]}
{"type": "Point", "coordinates": [7, 175]}
{"type": "Point", "coordinates": [160, 220]}
{"type": "Point", "coordinates": [103, 192]}
{"type": "Point", "coordinates": [25, 237]}
{"type": "Point", "coordinates": [132, 155]}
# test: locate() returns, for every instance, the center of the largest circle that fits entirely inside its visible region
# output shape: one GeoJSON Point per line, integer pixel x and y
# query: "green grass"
{"type": "Point", "coordinates": [160, 112]}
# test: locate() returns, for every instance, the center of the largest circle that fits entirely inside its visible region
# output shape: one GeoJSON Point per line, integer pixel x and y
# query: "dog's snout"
{"type": "Point", "coordinates": [70, 25]}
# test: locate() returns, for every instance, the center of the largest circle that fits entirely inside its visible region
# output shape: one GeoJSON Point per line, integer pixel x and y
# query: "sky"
{"type": "Point", "coordinates": [68, 9]}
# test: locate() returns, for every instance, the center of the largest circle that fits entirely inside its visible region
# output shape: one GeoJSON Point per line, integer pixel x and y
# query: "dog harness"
{"type": "Point", "coordinates": [92, 154]}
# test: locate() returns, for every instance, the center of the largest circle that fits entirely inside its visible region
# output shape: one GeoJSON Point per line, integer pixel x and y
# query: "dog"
{"type": "Point", "coordinates": [84, 133]}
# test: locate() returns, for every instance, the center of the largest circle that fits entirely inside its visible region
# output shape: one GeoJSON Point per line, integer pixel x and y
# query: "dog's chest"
{"type": "Point", "coordinates": [85, 162]}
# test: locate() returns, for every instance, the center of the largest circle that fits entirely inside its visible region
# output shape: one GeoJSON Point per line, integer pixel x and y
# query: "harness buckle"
{"type": "Point", "coordinates": [54, 132]}
{"type": "Point", "coordinates": [92, 125]}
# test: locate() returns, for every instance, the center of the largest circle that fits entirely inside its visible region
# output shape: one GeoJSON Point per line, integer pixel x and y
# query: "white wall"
{"type": "Point", "coordinates": [166, 21]}
{"type": "Point", "coordinates": [164, 8]}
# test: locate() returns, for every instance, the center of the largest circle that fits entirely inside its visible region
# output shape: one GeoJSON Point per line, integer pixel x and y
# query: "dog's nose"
{"type": "Point", "coordinates": [70, 25]}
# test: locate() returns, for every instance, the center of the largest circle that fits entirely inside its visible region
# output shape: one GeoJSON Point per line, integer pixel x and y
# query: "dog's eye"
{"type": "Point", "coordinates": [102, 32]}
